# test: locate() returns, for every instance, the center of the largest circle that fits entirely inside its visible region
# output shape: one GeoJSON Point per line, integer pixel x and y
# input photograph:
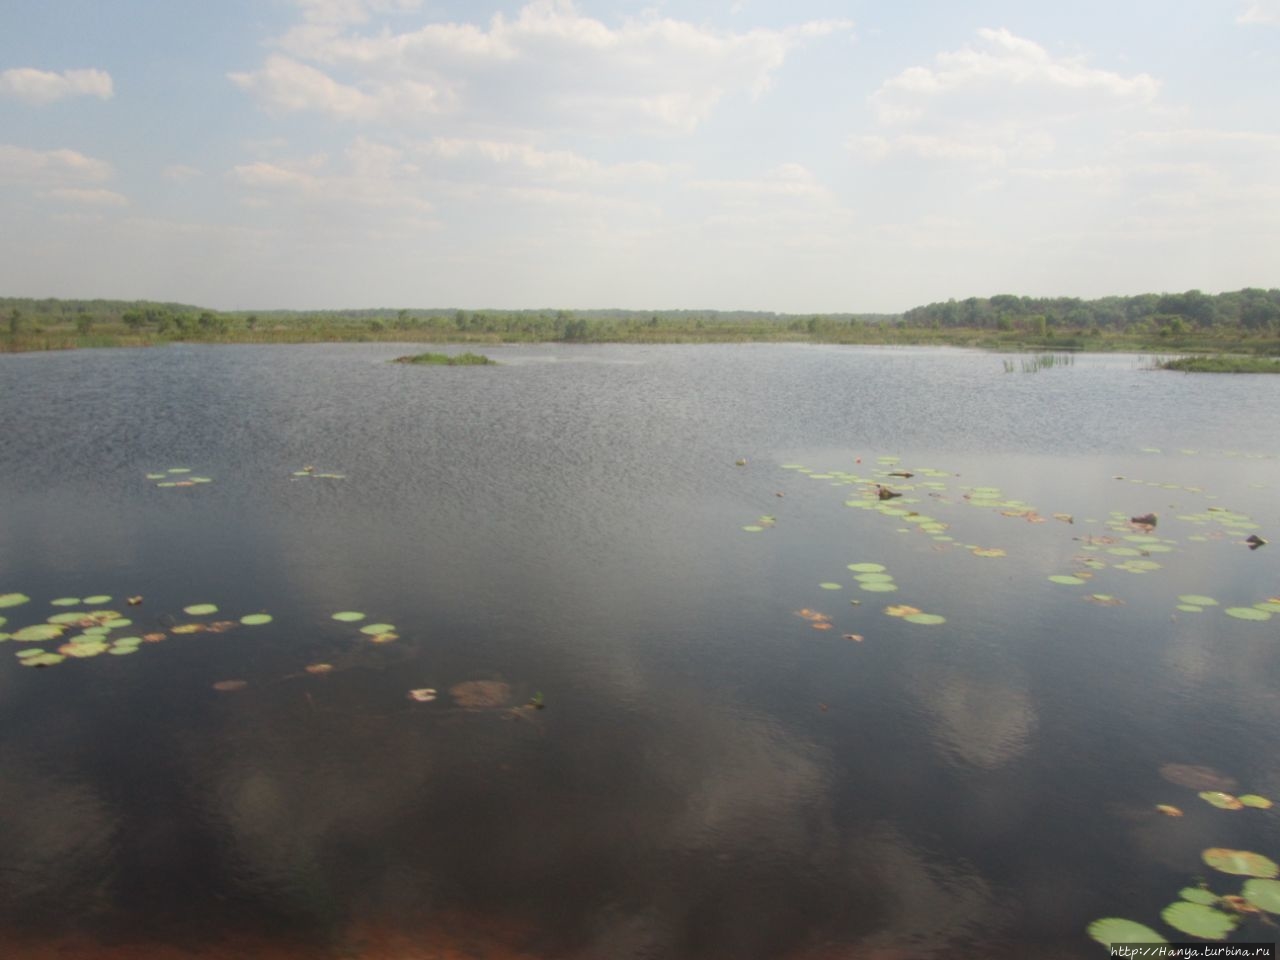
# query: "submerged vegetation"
{"type": "Point", "coordinates": [1244, 322]}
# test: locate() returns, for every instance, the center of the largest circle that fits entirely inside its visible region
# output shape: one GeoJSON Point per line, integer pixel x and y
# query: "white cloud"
{"type": "Point", "coordinates": [42, 86]}
{"type": "Point", "coordinates": [45, 167]}
{"type": "Point", "coordinates": [1006, 72]}
{"type": "Point", "coordinates": [1261, 11]}
{"type": "Point", "coordinates": [548, 63]}
{"type": "Point", "coordinates": [97, 197]}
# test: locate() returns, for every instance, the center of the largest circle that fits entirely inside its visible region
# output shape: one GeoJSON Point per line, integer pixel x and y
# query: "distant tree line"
{"type": "Point", "coordinates": [1251, 309]}
{"type": "Point", "coordinates": [1240, 313]}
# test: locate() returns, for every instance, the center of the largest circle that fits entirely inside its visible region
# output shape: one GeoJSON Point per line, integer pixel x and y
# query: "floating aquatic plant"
{"type": "Point", "coordinates": [348, 616]}
{"type": "Point", "coordinates": [1240, 862]}
{"type": "Point", "coordinates": [200, 609]}
{"type": "Point", "coordinates": [1199, 920]}
{"type": "Point", "coordinates": [1111, 930]}
{"type": "Point", "coordinates": [13, 599]}
{"type": "Point", "coordinates": [256, 619]}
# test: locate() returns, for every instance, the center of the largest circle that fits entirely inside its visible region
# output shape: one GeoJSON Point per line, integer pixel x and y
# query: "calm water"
{"type": "Point", "coordinates": [710, 777]}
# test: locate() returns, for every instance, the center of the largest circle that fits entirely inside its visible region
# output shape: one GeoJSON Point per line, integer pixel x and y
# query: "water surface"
{"type": "Point", "coordinates": [710, 777]}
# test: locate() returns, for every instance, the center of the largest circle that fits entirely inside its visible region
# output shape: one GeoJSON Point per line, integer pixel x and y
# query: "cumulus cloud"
{"type": "Point", "coordinates": [547, 63]}
{"type": "Point", "coordinates": [1007, 71]}
{"type": "Point", "coordinates": [50, 167]}
{"type": "Point", "coordinates": [43, 86]}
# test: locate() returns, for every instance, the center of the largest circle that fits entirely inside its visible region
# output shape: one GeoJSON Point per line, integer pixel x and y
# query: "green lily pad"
{"type": "Point", "coordinates": [82, 650]}
{"type": "Point", "coordinates": [1247, 613]}
{"type": "Point", "coordinates": [867, 567]}
{"type": "Point", "coordinates": [926, 619]}
{"type": "Point", "coordinates": [1201, 895]}
{"type": "Point", "coordinates": [1255, 801]}
{"type": "Point", "coordinates": [38, 632]}
{"type": "Point", "coordinates": [118, 623]}
{"type": "Point", "coordinates": [1242, 863]}
{"type": "Point", "coordinates": [69, 617]}
{"type": "Point", "coordinates": [13, 599]}
{"type": "Point", "coordinates": [1111, 930]}
{"type": "Point", "coordinates": [97, 600]}
{"type": "Point", "coordinates": [348, 616]}
{"type": "Point", "coordinates": [826, 586]}
{"type": "Point", "coordinates": [1199, 920]}
{"type": "Point", "coordinates": [874, 577]}
{"type": "Point", "coordinates": [376, 628]}
{"type": "Point", "coordinates": [879, 587]}
{"type": "Point", "coordinates": [1065, 578]}
{"type": "Point", "coordinates": [1263, 893]}
{"type": "Point", "coordinates": [1223, 801]}
{"type": "Point", "coordinates": [119, 651]}
{"type": "Point", "coordinates": [179, 469]}
{"type": "Point", "coordinates": [43, 659]}
{"type": "Point", "coordinates": [256, 619]}
{"type": "Point", "coordinates": [65, 602]}
{"type": "Point", "coordinates": [155, 476]}
{"type": "Point", "coordinates": [200, 609]}
{"type": "Point", "coordinates": [1197, 599]}
{"type": "Point", "coordinates": [753, 528]}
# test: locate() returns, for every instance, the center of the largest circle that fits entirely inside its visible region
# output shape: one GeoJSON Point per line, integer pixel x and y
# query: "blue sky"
{"type": "Point", "coordinates": [808, 156]}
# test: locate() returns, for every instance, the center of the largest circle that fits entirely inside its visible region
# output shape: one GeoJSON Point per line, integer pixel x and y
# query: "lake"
{"type": "Point", "coordinates": [669, 720]}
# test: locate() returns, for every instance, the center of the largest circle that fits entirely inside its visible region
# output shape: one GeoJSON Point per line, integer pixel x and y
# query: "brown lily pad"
{"type": "Point", "coordinates": [480, 694]}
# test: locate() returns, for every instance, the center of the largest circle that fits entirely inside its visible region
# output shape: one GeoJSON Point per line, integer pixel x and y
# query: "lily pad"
{"type": "Point", "coordinates": [384, 637]}
{"type": "Point", "coordinates": [185, 628]}
{"type": "Point", "coordinates": [1065, 578]}
{"type": "Point", "coordinates": [1263, 893]}
{"type": "Point", "coordinates": [1255, 801]}
{"type": "Point", "coordinates": [256, 619]}
{"type": "Point", "coordinates": [13, 599]}
{"type": "Point", "coordinates": [83, 649]}
{"type": "Point", "coordinates": [1201, 895]}
{"type": "Point", "coordinates": [926, 619]}
{"type": "Point", "coordinates": [348, 616]}
{"type": "Point", "coordinates": [43, 659]}
{"type": "Point", "coordinates": [874, 577]}
{"type": "Point", "coordinates": [200, 609]}
{"type": "Point", "coordinates": [1223, 801]}
{"type": "Point", "coordinates": [376, 628]}
{"type": "Point", "coordinates": [867, 567]}
{"type": "Point", "coordinates": [97, 600]}
{"type": "Point", "coordinates": [1111, 930]}
{"type": "Point", "coordinates": [118, 623]}
{"type": "Point", "coordinates": [1199, 920]}
{"type": "Point", "coordinates": [38, 631]}
{"type": "Point", "coordinates": [987, 552]}
{"type": "Point", "coordinates": [480, 694]}
{"type": "Point", "coordinates": [902, 610]}
{"type": "Point", "coordinates": [753, 528]}
{"type": "Point", "coordinates": [1247, 613]}
{"type": "Point", "coordinates": [65, 602]}
{"type": "Point", "coordinates": [879, 587]}
{"type": "Point", "coordinates": [1244, 863]}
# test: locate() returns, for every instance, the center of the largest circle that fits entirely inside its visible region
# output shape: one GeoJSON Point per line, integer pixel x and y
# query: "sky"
{"type": "Point", "coordinates": [812, 156]}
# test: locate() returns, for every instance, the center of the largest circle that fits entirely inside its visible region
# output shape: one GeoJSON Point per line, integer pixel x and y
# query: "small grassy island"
{"type": "Point", "coordinates": [1226, 363]}
{"type": "Point", "coordinates": [445, 360]}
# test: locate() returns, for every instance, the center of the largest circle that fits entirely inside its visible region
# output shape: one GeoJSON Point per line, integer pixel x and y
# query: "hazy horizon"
{"type": "Point", "coordinates": [824, 157]}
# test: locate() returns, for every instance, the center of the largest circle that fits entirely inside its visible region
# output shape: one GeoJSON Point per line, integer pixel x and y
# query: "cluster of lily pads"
{"type": "Point", "coordinates": [1199, 911]}
{"type": "Point", "coordinates": [87, 632]}
{"type": "Point", "coordinates": [761, 524]}
{"type": "Point", "coordinates": [177, 477]}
